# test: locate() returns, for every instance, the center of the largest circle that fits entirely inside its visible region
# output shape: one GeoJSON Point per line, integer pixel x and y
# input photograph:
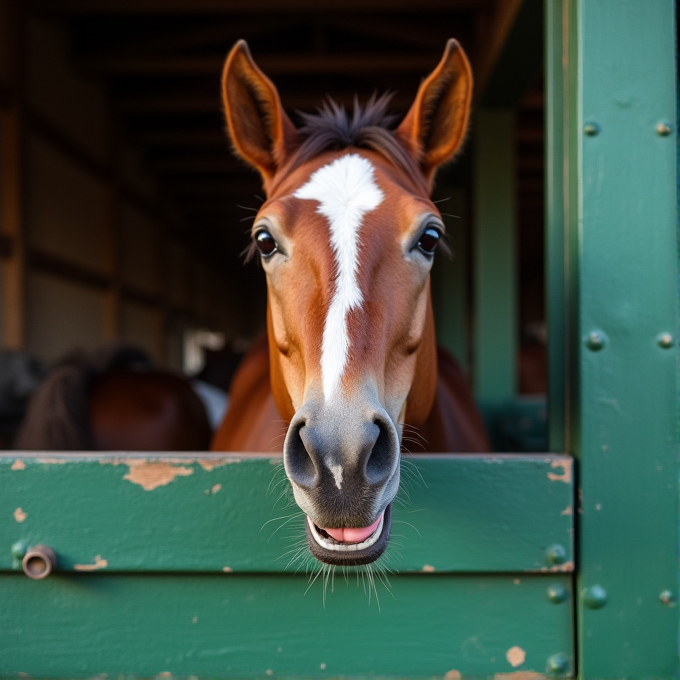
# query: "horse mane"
{"type": "Point", "coordinates": [369, 126]}
{"type": "Point", "coordinates": [57, 418]}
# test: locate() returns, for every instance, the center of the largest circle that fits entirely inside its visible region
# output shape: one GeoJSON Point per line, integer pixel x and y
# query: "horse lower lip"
{"type": "Point", "coordinates": [331, 543]}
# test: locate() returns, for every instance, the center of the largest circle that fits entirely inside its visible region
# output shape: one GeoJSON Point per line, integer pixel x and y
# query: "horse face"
{"type": "Point", "coordinates": [347, 239]}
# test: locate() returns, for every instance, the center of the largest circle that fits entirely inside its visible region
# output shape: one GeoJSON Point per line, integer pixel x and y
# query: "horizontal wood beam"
{"type": "Point", "coordinates": [236, 7]}
{"type": "Point", "coordinates": [192, 138]}
{"type": "Point", "coordinates": [183, 103]}
{"type": "Point", "coordinates": [273, 65]}
{"type": "Point", "coordinates": [47, 263]}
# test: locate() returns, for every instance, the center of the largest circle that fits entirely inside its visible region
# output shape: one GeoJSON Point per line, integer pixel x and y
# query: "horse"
{"type": "Point", "coordinates": [347, 236]}
{"type": "Point", "coordinates": [113, 399]}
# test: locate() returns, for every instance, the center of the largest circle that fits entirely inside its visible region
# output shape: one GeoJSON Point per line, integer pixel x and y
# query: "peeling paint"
{"type": "Point", "coordinates": [20, 515]}
{"type": "Point", "coordinates": [520, 675]}
{"type": "Point", "coordinates": [567, 511]}
{"type": "Point", "coordinates": [452, 675]}
{"type": "Point", "coordinates": [516, 581]}
{"type": "Point", "coordinates": [428, 568]}
{"type": "Point", "coordinates": [209, 465]}
{"type": "Point", "coordinates": [99, 563]}
{"type": "Point", "coordinates": [227, 570]}
{"type": "Point", "coordinates": [567, 567]}
{"type": "Point", "coordinates": [515, 656]}
{"type": "Point", "coordinates": [215, 488]}
{"type": "Point", "coordinates": [322, 666]}
{"type": "Point", "coordinates": [18, 464]}
{"type": "Point", "coordinates": [566, 471]}
{"type": "Point", "coordinates": [152, 475]}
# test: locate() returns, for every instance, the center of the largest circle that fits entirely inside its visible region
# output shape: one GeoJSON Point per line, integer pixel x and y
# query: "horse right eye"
{"type": "Point", "coordinates": [265, 243]}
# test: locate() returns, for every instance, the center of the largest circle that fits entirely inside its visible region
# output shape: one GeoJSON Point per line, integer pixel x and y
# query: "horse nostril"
{"type": "Point", "coordinates": [380, 462]}
{"type": "Point", "coordinates": [299, 463]}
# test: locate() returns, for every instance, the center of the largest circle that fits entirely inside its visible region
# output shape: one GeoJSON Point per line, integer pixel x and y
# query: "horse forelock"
{"type": "Point", "coordinates": [369, 126]}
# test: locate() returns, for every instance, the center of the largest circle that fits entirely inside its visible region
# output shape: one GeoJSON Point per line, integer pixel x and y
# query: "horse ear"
{"type": "Point", "coordinates": [435, 126]}
{"type": "Point", "coordinates": [260, 130]}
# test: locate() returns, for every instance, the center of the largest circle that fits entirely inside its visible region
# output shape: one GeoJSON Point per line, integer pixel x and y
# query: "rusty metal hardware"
{"type": "Point", "coordinates": [39, 561]}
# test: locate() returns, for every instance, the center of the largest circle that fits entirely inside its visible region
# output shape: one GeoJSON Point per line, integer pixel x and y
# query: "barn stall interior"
{"type": "Point", "coordinates": [519, 567]}
{"type": "Point", "coordinates": [124, 213]}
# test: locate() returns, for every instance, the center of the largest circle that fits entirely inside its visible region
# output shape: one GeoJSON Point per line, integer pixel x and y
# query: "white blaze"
{"type": "Point", "coordinates": [346, 191]}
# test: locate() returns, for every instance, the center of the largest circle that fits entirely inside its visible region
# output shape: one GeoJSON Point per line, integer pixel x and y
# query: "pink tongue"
{"type": "Point", "coordinates": [352, 535]}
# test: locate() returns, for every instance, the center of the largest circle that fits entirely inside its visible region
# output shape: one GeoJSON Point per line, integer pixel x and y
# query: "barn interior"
{"type": "Point", "coordinates": [123, 213]}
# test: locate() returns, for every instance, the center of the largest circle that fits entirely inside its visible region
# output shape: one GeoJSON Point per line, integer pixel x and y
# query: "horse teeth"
{"type": "Point", "coordinates": [331, 544]}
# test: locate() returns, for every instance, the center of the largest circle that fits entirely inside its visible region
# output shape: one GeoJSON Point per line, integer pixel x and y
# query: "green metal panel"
{"type": "Point", "coordinates": [495, 280]}
{"type": "Point", "coordinates": [235, 625]}
{"type": "Point", "coordinates": [617, 301]}
{"type": "Point", "coordinates": [208, 512]}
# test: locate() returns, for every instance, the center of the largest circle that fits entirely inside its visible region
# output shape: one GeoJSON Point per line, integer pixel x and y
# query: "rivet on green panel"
{"type": "Point", "coordinates": [665, 340]}
{"type": "Point", "coordinates": [557, 665]}
{"type": "Point", "coordinates": [668, 598]}
{"type": "Point", "coordinates": [557, 594]}
{"type": "Point", "coordinates": [663, 129]}
{"type": "Point", "coordinates": [595, 340]}
{"type": "Point", "coordinates": [556, 554]}
{"type": "Point", "coordinates": [595, 597]}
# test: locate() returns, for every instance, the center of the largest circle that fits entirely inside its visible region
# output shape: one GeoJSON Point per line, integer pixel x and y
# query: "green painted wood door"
{"type": "Point", "coordinates": [186, 564]}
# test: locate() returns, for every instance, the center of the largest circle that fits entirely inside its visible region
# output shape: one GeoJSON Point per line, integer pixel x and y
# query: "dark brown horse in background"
{"type": "Point", "coordinates": [113, 399]}
{"type": "Point", "coordinates": [347, 237]}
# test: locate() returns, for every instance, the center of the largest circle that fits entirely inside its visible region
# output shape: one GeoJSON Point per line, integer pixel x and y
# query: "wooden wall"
{"type": "Point", "coordinates": [89, 250]}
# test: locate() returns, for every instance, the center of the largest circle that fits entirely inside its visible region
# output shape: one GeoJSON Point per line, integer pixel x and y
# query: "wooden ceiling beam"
{"type": "Point", "coordinates": [183, 138]}
{"type": "Point", "coordinates": [273, 65]}
{"type": "Point", "coordinates": [240, 7]}
{"type": "Point", "coordinates": [178, 103]}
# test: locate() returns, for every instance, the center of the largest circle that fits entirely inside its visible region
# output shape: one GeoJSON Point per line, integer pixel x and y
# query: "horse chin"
{"type": "Point", "coordinates": [329, 551]}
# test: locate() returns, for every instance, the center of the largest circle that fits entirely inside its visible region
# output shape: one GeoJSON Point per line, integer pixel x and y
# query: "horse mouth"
{"type": "Point", "coordinates": [350, 547]}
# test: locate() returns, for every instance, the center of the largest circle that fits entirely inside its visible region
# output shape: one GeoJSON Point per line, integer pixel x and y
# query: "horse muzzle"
{"type": "Point", "coordinates": [344, 470]}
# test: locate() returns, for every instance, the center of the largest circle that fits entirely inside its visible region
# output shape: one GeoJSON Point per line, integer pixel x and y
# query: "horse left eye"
{"type": "Point", "coordinates": [429, 240]}
{"type": "Point", "coordinates": [265, 243]}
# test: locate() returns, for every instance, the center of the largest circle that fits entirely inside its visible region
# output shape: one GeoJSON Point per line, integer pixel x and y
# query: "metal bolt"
{"type": "Point", "coordinates": [19, 550]}
{"type": "Point", "coordinates": [557, 594]}
{"type": "Point", "coordinates": [665, 340]}
{"type": "Point", "coordinates": [595, 597]}
{"type": "Point", "coordinates": [591, 129]}
{"type": "Point", "coordinates": [668, 598]}
{"type": "Point", "coordinates": [557, 664]}
{"type": "Point", "coordinates": [663, 129]}
{"type": "Point", "coordinates": [595, 341]}
{"type": "Point", "coordinates": [556, 554]}
{"type": "Point", "coordinates": [38, 562]}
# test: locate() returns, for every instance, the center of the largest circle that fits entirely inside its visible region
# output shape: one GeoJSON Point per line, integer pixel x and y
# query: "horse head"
{"type": "Point", "coordinates": [346, 237]}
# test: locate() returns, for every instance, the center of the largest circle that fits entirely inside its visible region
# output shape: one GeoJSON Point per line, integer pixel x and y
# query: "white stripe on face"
{"type": "Point", "coordinates": [346, 191]}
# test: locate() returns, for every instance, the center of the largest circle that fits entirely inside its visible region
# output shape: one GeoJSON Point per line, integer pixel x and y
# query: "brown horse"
{"type": "Point", "coordinates": [347, 237]}
{"type": "Point", "coordinates": [113, 399]}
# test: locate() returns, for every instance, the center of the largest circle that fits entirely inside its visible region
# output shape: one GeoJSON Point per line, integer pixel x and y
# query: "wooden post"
{"type": "Point", "coordinates": [495, 280]}
{"type": "Point", "coordinates": [613, 263]}
{"type": "Point", "coordinates": [12, 130]}
{"type": "Point", "coordinates": [450, 282]}
{"type": "Point", "coordinates": [112, 301]}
